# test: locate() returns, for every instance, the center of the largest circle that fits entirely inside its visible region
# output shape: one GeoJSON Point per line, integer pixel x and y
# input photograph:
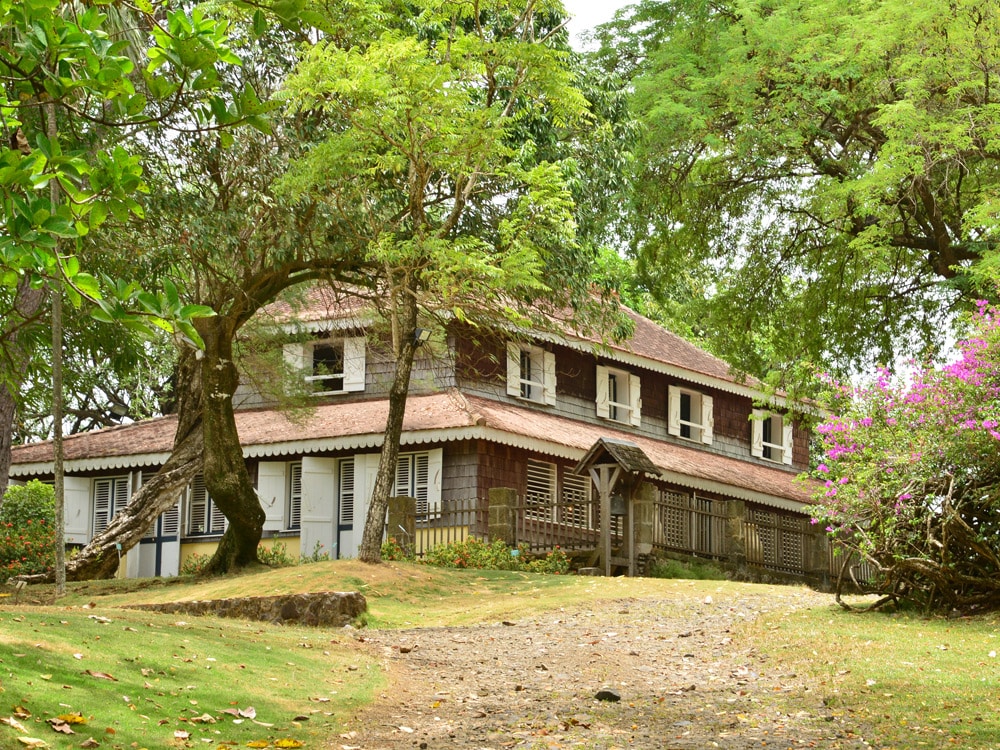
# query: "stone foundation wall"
{"type": "Point", "coordinates": [324, 609]}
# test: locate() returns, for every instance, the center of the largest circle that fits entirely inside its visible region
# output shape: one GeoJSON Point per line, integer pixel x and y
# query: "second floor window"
{"type": "Point", "coordinates": [771, 436]}
{"type": "Point", "coordinates": [531, 373]}
{"type": "Point", "coordinates": [618, 396]}
{"type": "Point", "coordinates": [331, 365]}
{"type": "Point", "coordinates": [690, 415]}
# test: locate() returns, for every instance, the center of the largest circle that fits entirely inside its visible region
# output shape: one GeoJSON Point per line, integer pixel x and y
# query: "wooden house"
{"type": "Point", "coordinates": [485, 411]}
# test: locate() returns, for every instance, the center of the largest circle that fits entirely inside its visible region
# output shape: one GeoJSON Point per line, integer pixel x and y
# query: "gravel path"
{"type": "Point", "coordinates": [686, 675]}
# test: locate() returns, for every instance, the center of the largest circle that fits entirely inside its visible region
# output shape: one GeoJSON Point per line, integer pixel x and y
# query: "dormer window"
{"type": "Point", "coordinates": [618, 396]}
{"type": "Point", "coordinates": [771, 436]}
{"type": "Point", "coordinates": [531, 373]}
{"type": "Point", "coordinates": [690, 415]}
{"type": "Point", "coordinates": [330, 366]}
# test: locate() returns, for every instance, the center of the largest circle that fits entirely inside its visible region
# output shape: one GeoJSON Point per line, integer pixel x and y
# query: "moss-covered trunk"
{"type": "Point", "coordinates": [226, 477]}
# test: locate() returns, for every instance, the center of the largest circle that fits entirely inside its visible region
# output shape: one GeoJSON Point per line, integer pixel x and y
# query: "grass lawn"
{"type": "Point", "coordinates": [912, 681]}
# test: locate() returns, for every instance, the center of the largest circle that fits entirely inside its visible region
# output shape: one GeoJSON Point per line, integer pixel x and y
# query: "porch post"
{"type": "Point", "coordinates": [503, 515]}
{"type": "Point", "coordinates": [644, 503]}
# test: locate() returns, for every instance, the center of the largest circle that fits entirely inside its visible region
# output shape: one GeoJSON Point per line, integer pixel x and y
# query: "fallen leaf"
{"type": "Point", "coordinates": [287, 742]}
{"type": "Point", "coordinates": [13, 724]}
{"type": "Point", "coordinates": [77, 656]}
{"type": "Point", "coordinates": [248, 713]}
{"type": "Point", "coordinates": [61, 727]}
{"type": "Point", "coordinates": [101, 675]}
{"type": "Point", "coordinates": [76, 718]}
{"type": "Point", "coordinates": [262, 723]}
{"type": "Point", "coordinates": [98, 618]}
{"type": "Point", "coordinates": [203, 719]}
{"type": "Point", "coordinates": [258, 743]}
{"type": "Point", "coordinates": [32, 742]}
{"type": "Point", "coordinates": [90, 742]}
{"type": "Point", "coordinates": [180, 734]}
{"type": "Point", "coordinates": [21, 712]}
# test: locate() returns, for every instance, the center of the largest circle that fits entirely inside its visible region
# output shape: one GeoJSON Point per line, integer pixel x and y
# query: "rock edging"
{"type": "Point", "coordinates": [320, 609]}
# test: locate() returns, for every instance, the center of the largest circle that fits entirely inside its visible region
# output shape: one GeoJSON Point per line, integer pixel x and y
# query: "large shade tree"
{"type": "Point", "coordinates": [825, 173]}
{"type": "Point", "coordinates": [435, 158]}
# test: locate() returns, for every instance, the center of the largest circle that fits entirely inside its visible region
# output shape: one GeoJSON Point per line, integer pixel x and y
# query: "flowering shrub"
{"type": "Point", "coordinates": [194, 564]}
{"type": "Point", "coordinates": [27, 530]}
{"type": "Point", "coordinates": [910, 478]}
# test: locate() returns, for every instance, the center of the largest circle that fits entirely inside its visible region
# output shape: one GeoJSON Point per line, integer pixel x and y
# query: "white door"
{"type": "Point", "coordinates": [319, 506]}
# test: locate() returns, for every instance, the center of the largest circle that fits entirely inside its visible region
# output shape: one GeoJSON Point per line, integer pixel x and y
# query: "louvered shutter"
{"type": "Point", "coordinates": [295, 497]}
{"type": "Point", "coordinates": [346, 491]}
{"type": "Point", "coordinates": [197, 507]}
{"type": "Point", "coordinates": [103, 489]}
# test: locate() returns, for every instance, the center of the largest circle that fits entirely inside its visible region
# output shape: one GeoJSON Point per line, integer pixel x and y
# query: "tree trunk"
{"type": "Point", "coordinates": [385, 480]}
{"type": "Point", "coordinates": [27, 304]}
{"type": "Point", "coordinates": [99, 559]}
{"type": "Point", "coordinates": [226, 477]}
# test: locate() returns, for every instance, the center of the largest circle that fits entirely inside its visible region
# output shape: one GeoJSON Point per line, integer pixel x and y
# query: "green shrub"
{"type": "Point", "coordinates": [194, 564]}
{"type": "Point", "coordinates": [394, 551]}
{"type": "Point", "coordinates": [317, 555]}
{"type": "Point", "coordinates": [27, 530]}
{"type": "Point", "coordinates": [554, 562]}
{"type": "Point", "coordinates": [276, 556]}
{"type": "Point", "coordinates": [692, 570]}
{"type": "Point", "coordinates": [31, 501]}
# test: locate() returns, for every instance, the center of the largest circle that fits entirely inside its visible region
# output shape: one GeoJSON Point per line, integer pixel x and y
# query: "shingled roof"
{"type": "Point", "coordinates": [441, 417]}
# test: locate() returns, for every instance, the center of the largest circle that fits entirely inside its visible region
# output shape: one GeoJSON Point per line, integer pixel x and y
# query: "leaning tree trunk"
{"type": "Point", "coordinates": [385, 480]}
{"type": "Point", "coordinates": [226, 477]}
{"type": "Point", "coordinates": [99, 559]}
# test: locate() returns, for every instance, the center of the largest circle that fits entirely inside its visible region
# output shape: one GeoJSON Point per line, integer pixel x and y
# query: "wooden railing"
{"type": "Point", "coordinates": [690, 524]}
{"type": "Point", "coordinates": [776, 541]}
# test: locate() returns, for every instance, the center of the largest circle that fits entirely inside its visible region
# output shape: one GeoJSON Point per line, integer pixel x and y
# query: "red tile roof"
{"type": "Point", "coordinates": [439, 417]}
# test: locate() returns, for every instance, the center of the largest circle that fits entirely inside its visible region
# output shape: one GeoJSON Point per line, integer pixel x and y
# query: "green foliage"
{"type": "Point", "coordinates": [31, 501]}
{"type": "Point", "coordinates": [194, 564]}
{"type": "Point", "coordinates": [481, 555]}
{"type": "Point", "coordinates": [26, 547]}
{"type": "Point", "coordinates": [819, 169]}
{"type": "Point", "coordinates": [695, 570]}
{"type": "Point", "coordinates": [276, 556]}
{"type": "Point", "coordinates": [318, 554]}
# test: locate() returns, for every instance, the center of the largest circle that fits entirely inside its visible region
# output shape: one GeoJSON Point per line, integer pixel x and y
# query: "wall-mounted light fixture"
{"type": "Point", "coordinates": [117, 411]}
{"type": "Point", "coordinates": [421, 336]}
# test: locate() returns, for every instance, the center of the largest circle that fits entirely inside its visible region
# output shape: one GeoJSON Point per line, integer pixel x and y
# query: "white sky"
{"type": "Point", "coordinates": [589, 13]}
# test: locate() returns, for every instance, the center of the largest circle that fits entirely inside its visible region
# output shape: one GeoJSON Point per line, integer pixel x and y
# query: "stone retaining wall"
{"type": "Point", "coordinates": [324, 608]}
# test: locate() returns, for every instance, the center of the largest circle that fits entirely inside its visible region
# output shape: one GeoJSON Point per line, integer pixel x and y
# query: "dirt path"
{"type": "Point", "coordinates": [685, 676]}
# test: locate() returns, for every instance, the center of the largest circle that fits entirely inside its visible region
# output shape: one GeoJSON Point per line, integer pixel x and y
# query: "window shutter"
{"type": "Point", "coordinates": [435, 459]}
{"type": "Point", "coordinates": [602, 393]}
{"type": "Point", "coordinates": [403, 476]}
{"type": "Point", "coordinates": [296, 359]}
{"type": "Point", "coordinates": [757, 433]}
{"type": "Point", "coordinates": [76, 491]}
{"type": "Point", "coordinates": [295, 496]}
{"type": "Point", "coordinates": [272, 483]}
{"type": "Point", "coordinates": [549, 370]}
{"type": "Point", "coordinates": [420, 483]}
{"type": "Point", "coordinates": [120, 497]}
{"type": "Point", "coordinates": [197, 507]}
{"type": "Point", "coordinates": [218, 519]}
{"type": "Point", "coordinates": [346, 492]}
{"type": "Point", "coordinates": [635, 401]}
{"type": "Point", "coordinates": [354, 364]}
{"type": "Point", "coordinates": [513, 369]}
{"type": "Point", "coordinates": [673, 410]}
{"type": "Point", "coordinates": [707, 420]}
{"type": "Point", "coordinates": [102, 504]}
{"type": "Point", "coordinates": [171, 521]}
{"type": "Point", "coordinates": [786, 439]}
